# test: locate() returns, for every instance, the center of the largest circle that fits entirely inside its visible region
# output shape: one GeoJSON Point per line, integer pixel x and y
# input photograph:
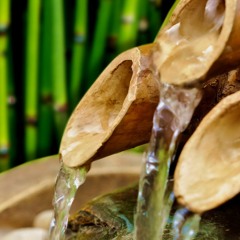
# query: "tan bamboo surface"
{"type": "Point", "coordinates": [226, 54]}
{"type": "Point", "coordinates": [116, 113]}
{"type": "Point", "coordinates": [28, 189]}
{"type": "Point", "coordinates": [208, 169]}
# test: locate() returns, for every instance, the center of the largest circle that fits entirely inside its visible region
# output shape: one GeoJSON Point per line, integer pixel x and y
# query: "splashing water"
{"type": "Point", "coordinates": [185, 224]}
{"type": "Point", "coordinates": [171, 118]}
{"type": "Point", "coordinates": [67, 184]}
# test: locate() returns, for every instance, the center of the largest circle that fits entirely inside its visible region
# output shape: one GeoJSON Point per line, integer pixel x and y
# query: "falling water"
{"type": "Point", "coordinates": [185, 224]}
{"type": "Point", "coordinates": [171, 118]}
{"type": "Point", "coordinates": [180, 53]}
{"type": "Point", "coordinates": [68, 181]}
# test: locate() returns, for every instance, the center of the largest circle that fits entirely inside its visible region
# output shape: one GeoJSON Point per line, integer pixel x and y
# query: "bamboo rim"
{"type": "Point", "coordinates": [116, 113]}
{"type": "Point", "coordinates": [227, 46]}
{"type": "Point", "coordinates": [208, 169]}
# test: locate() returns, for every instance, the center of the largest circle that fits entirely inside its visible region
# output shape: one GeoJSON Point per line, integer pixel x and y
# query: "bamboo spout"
{"type": "Point", "coordinates": [208, 169]}
{"type": "Point", "coordinates": [116, 113]}
{"type": "Point", "coordinates": [203, 35]}
{"type": "Point", "coordinates": [230, 56]}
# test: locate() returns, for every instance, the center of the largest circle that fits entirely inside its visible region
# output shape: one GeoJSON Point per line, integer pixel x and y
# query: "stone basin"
{"type": "Point", "coordinates": [28, 189]}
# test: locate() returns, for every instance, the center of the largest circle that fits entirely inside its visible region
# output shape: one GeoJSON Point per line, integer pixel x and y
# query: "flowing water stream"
{"type": "Point", "coordinates": [183, 50]}
{"type": "Point", "coordinates": [171, 118]}
{"type": "Point", "coordinates": [67, 184]}
{"type": "Point", "coordinates": [185, 224]}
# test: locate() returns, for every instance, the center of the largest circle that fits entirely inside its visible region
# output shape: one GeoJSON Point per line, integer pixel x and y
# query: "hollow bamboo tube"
{"type": "Point", "coordinates": [226, 48]}
{"type": "Point", "coordinates": [70, 148]}
{"type": "Point", "coordinates": [108, 123]}
{"type": "Point", "coordinates": [199, 191]}
{"type": "Point", "coordinates": [208, 170]}
{"type": "Point", "coordinates": [116, 113]}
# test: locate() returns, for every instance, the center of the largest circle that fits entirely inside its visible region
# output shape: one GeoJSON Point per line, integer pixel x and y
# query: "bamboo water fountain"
{"type": "Point", "coordinates": [200, 42]}
{"type": "Point", "coordinates": [123, 99]}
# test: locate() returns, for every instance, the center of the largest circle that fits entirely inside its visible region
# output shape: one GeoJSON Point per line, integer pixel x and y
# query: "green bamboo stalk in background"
{"type": "Point", "coordinates": [114, 28]}
{"type": "Point", "coordinates": [107, 28]}
{"type": "Point", "coordinates": [31, 78]}
{"type": "Point", "coordinates": [4, 136]}
{"type": "Point", "coordinates": [99, 41]}
{"type": "Point", "coordinates": [129, 26]}
{"type": "Point", "coordinates": [143, 27]}
{"type": "Point", "coordinates": [79, 50]}
{"type": "Point", "coordinates": [158, 2]}
{"type": "Point", "coordinates": [58, 67]}
{"type": "Point", "coordinates": [45, 122]}
{"type": "Point", "coordinates": [12, 111]}
{"type": "Point", "coordinates": [155, 20]}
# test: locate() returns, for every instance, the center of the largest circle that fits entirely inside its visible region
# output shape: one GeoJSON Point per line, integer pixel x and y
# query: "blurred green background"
{"type": "Point", "coordinates": [51, 51]}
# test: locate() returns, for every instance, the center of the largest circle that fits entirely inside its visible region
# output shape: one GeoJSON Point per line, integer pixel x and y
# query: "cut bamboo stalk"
{"type": "Point", "coordinates": [88, 132]}
{"type": "Point", "coordinates": [224, 48]}
{"type": "Point", "coordinates": [79, 50]}
{"type": "Point", "coordinates": [208, 170]}
{"type": "Point", "coordinates": [80, 142]}
{"type": "Point", "coordinates": [31, 78]}
{"type": "Point", "coordinates": [116, 113]}
{"type": "Point", "coordinates": [4, 126]}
